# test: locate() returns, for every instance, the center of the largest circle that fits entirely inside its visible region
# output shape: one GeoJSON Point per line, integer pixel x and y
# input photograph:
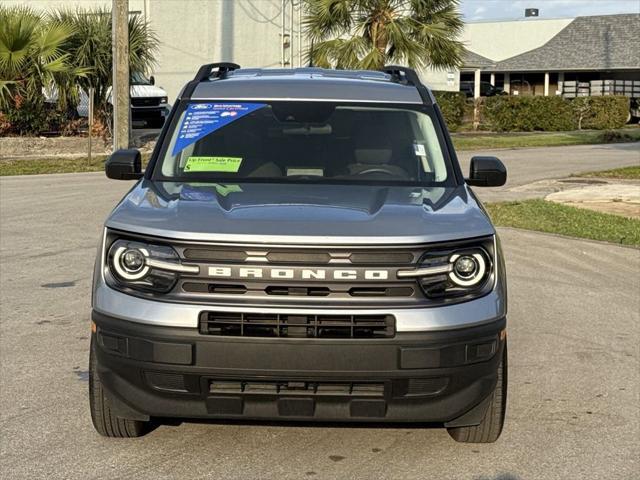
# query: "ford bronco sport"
{"type": "Point", "coordinates": [302, 246]}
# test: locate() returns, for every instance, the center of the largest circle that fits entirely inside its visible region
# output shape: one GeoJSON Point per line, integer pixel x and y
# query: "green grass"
{"type": "Point", "coordinates": [56, 165]}
{"type": "Point", "coordinates": [51, 165]}
{"type": "Point", "coordinates": [551, 217]}
{"type": "Point", "coordinates": [476, 141]}
{"type": "Point", "coordinates": [627, 173]}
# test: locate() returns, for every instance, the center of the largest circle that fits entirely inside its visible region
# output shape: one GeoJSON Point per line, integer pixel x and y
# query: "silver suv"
{"type": "Point", "coordinates": [301, 246]}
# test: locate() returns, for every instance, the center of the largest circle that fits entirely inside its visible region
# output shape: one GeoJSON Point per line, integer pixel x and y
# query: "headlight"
{"type": "Point", "coordinates": [144, 266]}
{"type": "Point", "coordinates": [467, 269]}
{"type": "Point", "coordinates": [164, 99]}
{"type": "Point", "coordinates": [456, 271]}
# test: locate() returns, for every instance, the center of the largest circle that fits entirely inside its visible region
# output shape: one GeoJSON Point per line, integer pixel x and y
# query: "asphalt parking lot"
{"type": "Point", "coordinates": [574, 379]}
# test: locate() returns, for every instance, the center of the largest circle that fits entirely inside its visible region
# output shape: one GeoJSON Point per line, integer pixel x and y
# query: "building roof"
{"type": "Point", "coordinates": [307, 84]}
{"type": "Point", "coordinates": [473, 60]}
{"type": "Point", "coordinates": [606, 42]}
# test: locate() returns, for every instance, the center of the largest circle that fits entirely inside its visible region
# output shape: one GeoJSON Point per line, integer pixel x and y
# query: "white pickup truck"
{"type": "Point", "coordinates": [148, 101]}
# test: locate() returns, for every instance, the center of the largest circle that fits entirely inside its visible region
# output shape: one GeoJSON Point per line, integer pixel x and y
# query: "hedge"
{"type": "Point", "coordinates": [601, 113]}
{"type": "Point", "coordinates": [452, 105]}
{"type": "Point", "coordinates": [526, 114]}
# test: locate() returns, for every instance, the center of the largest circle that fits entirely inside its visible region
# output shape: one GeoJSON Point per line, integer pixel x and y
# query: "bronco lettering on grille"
{"type": "Point", "coordinates": [297, 273]}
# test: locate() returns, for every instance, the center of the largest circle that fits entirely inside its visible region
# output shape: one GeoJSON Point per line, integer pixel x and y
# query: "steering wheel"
{"type": "Point", "coordinates": [377, 170]}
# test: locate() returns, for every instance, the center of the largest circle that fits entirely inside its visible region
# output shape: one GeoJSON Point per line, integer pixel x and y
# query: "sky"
{"type": "Point", "coordinates": [478, 10]}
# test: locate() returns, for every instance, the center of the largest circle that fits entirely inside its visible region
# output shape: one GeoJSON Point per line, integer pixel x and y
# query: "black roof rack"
{"type": "Point", "coordinates": [205, 71]}
{"type": "Point", "coordinates": [402, 74]}
{"type": "Point", "coordinates": [408, 76]}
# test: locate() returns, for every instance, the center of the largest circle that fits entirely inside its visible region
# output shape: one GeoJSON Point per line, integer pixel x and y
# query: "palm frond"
{"type": "Point", "coordinates": [370, 33]}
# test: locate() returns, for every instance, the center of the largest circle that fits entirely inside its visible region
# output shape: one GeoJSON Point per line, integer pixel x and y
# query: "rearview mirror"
{"type": "Point", "coordinates": [124, 164]}
{"type": "Point", "coordinates": [487, 172]}
{"type": "Point", "coordinates": [152, 80]}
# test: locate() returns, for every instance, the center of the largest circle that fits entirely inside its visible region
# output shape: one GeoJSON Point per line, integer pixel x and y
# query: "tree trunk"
{"type": "Point", "coordinates": [379, 40]}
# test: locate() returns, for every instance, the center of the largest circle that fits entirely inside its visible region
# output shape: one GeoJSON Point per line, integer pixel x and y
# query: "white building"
{"type": "Point", "coordinates": [252, 33]}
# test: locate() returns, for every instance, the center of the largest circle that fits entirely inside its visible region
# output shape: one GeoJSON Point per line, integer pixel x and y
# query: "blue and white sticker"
{"type": "Point", "coordinates": [201, 119]}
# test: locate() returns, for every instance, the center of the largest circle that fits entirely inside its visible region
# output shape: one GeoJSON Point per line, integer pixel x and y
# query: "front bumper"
{"type": "Point", "coordinates": [149, 112]}
{"type": "Point", "coordinates": [430, 376]}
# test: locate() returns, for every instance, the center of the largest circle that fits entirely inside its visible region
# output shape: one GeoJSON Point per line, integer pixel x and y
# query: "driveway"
{"type": "Point", "coordinates": [574, 330]}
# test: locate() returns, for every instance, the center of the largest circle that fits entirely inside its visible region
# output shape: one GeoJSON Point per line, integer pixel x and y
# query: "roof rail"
{"type": "Point", "coordinates": [402, 74]}
{"type": "Point", "coordinates": [408, 76]}
{"type": "Point", "coordinates": [204, 72]}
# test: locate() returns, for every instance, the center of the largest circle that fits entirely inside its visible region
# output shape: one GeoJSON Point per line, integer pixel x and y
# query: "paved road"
{"type": "Point", "coordinates": [528, 165]}
{"type": "Point", "coordinates": [574, 379]}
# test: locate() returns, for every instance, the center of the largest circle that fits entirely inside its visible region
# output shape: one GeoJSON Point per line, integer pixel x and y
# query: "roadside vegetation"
{"type": "Point", "coordinates": [56, 165]}
{"type": "Point", "coordinates": [47, 59]}
{"type": "Point", "coordinates": [624, 173]}
{"type": "Point", "coordinates": [552, 217]}
{"type": "Point", "coordinates": [51, 165]}
{"type": "Point", "coordinates": [478, 141]}
{"type": "Point", "coordinates": [32, 62]}
{"type": "Point", "coordinates": [504, 113]}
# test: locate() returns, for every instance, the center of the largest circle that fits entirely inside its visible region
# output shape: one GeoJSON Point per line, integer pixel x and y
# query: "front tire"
{"type": "Point", "coordinates": [105, 421]}
{"type": "Point", "coordinates": [490, 427]}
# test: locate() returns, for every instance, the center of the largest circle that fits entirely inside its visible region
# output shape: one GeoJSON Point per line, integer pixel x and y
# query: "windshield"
{"type": "Point", "coordinates": [137, 78]}
{"type": "Point", "coordinates": [303, 142]}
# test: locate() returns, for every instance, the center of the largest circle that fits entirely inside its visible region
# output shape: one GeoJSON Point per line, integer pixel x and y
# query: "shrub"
{"type": "Point", "coordinates": [5, 125]}
{"type": "Point", "coordinates": [25, 116]}
{"type": "Point", "coordinates": [34, 117]}
{"type": "Point", "coordinates": [32, 59]}
{"type": "Point", "coordinates": [601, 113]}
{"type": "Point", "coordinates": [526, 114]}
{"type": "Point", "coordinates": [452, 105]}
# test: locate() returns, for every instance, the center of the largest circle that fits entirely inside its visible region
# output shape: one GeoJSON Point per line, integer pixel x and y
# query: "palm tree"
{"type": "Point", "coordinates": [32, 59]}
{"type": "Point", "coordinates": [368, 34]}
{"type": "Point", "coordinates": [90, 47]}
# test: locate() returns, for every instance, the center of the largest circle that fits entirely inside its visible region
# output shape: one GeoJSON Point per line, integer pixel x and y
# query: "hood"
{"type": "Point", "coordinates": [140, 91]}
{"type": "Point", "coordinates": [300, 214]}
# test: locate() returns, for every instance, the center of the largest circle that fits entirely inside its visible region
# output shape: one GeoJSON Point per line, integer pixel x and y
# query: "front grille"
{"type": "Point", "coordinates": [310, 257]}
{"type": "Point", "coordinates": [145, 101]}
{"type": "Point", "coordinates": [335, 290]}
{"type": "Point", "coordinates": [240, 324]}
{"type": "Point", "coordinates": [299, 291]}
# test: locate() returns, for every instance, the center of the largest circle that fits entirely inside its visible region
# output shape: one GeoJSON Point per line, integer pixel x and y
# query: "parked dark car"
{"type": "Point", "coordinates": [486, 89]}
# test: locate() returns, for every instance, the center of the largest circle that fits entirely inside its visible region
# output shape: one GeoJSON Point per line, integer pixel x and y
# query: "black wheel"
{"type": "Point", "coordinates": [489, 429]}
{"type": "Point", "coordinates": [104, 420]}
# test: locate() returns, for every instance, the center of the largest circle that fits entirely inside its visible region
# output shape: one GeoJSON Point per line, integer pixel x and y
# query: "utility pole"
{"type": "Point", "coordinates": [120, 91]}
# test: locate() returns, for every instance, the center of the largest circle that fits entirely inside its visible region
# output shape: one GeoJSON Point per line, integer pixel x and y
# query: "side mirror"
{"type": "Point", "coordinates": [124, 164]}
{"type": "Point", "coordinates": [152, 80]}
{"type": "Point", "coordinates": [487, 172]}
